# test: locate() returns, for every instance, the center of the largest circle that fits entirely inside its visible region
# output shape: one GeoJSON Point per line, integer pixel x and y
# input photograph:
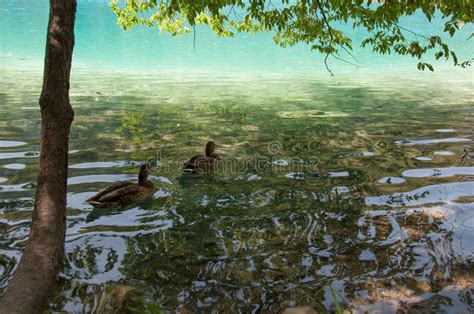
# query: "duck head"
{"type": "Point", "coordinates": [144, 172]}
{"type": "Point", "coordinates": [210, 148]}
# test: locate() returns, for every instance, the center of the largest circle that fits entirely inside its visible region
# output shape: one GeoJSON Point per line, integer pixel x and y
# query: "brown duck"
{"type": "Point", "coordinates": [203, 163]}
{"type": "Point", "coordinates": [125, 192]}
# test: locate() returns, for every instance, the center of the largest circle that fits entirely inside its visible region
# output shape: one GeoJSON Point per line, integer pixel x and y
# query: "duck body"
{"type": "Point", "coordinates": [125, 192]}
{"type": "Point", "coordinates": [202, 163]}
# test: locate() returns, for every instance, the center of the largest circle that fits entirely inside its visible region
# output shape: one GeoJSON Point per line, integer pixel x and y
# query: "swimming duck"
{"type": "Point", "coordinates": [203, 163]}
{"type": "Point", "coordinates": [125, 192]}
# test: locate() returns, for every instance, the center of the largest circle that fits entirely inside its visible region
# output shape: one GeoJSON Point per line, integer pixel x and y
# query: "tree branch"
{"type": "Point", "coordinates": [330, 35]}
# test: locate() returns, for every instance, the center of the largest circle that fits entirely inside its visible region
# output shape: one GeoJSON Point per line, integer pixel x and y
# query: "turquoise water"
{"type": "Point", "coordinates": [101, 44]}
{"type": "Point", "coordinates": [359, 183]}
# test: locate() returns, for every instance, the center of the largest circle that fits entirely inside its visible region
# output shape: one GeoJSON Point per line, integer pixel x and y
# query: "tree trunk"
{"type": "Point", "coordinates": [32, 285]}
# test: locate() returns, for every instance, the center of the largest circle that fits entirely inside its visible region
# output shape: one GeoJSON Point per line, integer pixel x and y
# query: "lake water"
{"type": "Point", "coordinates": [355, 183]}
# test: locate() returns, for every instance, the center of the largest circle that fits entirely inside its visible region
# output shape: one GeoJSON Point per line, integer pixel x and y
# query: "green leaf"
{"type": "Point", "coordinates": [319, 26]}
{"type": "Point", "coordinates": [336, 302]}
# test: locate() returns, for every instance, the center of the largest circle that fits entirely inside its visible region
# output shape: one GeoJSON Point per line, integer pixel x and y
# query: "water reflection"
{"type": "Point", "coordinates": [438, 172]}
{"type": "Point", "coordinates": [431, 194]}
{"type": "Point", "coordinates": [338, 174]}
{"type": "Point", "coordinates": [16, 187]}
{"type": "Point", "coordinates": [423, 158]}
{"type": "Point", "coordinates": [391, 180]}
{"type": "Point", "coordinates": [101, 178]}
{"type": "Point", "coordinates": [15, 166]}
{"type": "Point", "coordinates": [444, 153]}
{"type": "Point", "coordinates": [11, 143]}
{"type": "Point", "coordinates": [101, 164]}
{"type": "Point", "coordinates": [367, 220]}
{"type": "Point", "coordinates": [103, 266]}
{"type": "Point", "coordinates": [433, 141]}
{"type": "Point", "coordinates": [16, 155]}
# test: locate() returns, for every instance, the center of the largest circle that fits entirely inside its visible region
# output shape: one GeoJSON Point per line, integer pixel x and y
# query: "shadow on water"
{"type": "Point", "coordinates": [321, 188]}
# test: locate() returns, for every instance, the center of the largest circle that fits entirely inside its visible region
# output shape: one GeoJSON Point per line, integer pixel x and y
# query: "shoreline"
{"type": "Point", "coordinates": [447, 77]}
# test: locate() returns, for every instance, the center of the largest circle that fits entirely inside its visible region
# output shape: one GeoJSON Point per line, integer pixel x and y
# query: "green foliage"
{"type": "Point", "coordinates": [336, 301]}
{"type": "Point", "coordinates": [312, 22]}
{"type": "Point", "coordinates": [142, 306]}
{"type": "Point", "coordinates": [334, 294]}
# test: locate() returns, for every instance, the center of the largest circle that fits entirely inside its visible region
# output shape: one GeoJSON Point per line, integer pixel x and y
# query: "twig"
{"type": "Point", "coordinates": [410, 31]}
{"type": "Point", "coordinates": [343, 60]}
{"type": "Point", "coordinates": [348, 52]}
{"type": "Point", "coordinates": [326, 64]}
{"type": "Point", "coordinates": [466, 154]}
{"type": "Point", "coordinates": [235, 13]}
{"type": "Point", "coordinates": [330, 35]}
{"type": "Point", "coordinates": [194, 38]}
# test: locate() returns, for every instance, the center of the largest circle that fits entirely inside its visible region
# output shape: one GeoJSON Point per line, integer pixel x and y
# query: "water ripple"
{"type": "Point", "coordinates": [15, 155]}
{"type": "Point", "coordinates": [438, 172]}
{"type": "Point", "coordinates": [433, 141]}
{"type": "Point", "coordinates": [426, 195]}
{"type": "Point", "coordinates": [15, 166]}
{"type": "Point", "coordinates": [443, 153]}
{"type": "Point", "coordinates": [101, 164]}
{"type": "Point", "coordinates": [391, 180]}
{"type": "Point", "coordinates": [17, 187]}
{"type": "Point", "coordinates": [11, 144]}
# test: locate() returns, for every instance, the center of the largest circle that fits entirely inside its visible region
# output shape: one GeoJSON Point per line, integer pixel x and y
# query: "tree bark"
{"type": "Point", "coordinates": [32, 285]}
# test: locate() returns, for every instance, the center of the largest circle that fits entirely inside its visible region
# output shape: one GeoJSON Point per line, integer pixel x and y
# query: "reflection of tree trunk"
{"type": "Point", "coordinates": [34, 280]}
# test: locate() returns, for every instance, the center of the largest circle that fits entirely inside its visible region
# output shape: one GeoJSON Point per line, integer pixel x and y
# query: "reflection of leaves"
{"type": "Point", "coordinates": [112, 259]}
{"type": "Point", "coordinates": [125, 299]}
{"type": "Point", "coordinates": [138, 304]}
{"type": "Point", "coordinates": [335, 294]}
{"type": "Point", "coordinates": [96, 213]}
{"type": "Point", "coordinates": [336, 301]}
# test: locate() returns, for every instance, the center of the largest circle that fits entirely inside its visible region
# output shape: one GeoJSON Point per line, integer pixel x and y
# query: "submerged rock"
{"type": "Point", "coordinates": [309, 114]}
{"type": "Point", "coordinates": [251, 128]}
{"type": "Point", "coordinates": [114, 298]}
{"type": "Point", "coordinates": [300, 310]}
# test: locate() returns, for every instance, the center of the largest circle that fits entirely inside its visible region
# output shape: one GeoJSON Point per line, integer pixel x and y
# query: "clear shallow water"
{"type": "Point", "coordinates": [320, 184]}
{"type": "Point", "coordinates": [302, 200]}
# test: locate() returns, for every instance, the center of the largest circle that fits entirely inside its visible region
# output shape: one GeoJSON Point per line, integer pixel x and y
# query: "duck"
{"type": "Point", "coordinates": [203, 163]}
{"type": "Point", "coordinates": [124, 193]}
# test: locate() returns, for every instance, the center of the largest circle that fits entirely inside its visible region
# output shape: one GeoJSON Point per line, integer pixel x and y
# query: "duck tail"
{"type": "Point", "coordinates": [93, 202]}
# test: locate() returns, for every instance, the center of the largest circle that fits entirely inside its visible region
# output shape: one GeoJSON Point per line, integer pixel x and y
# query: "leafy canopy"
{"type": "Point", "coordinates": [318, 23]}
